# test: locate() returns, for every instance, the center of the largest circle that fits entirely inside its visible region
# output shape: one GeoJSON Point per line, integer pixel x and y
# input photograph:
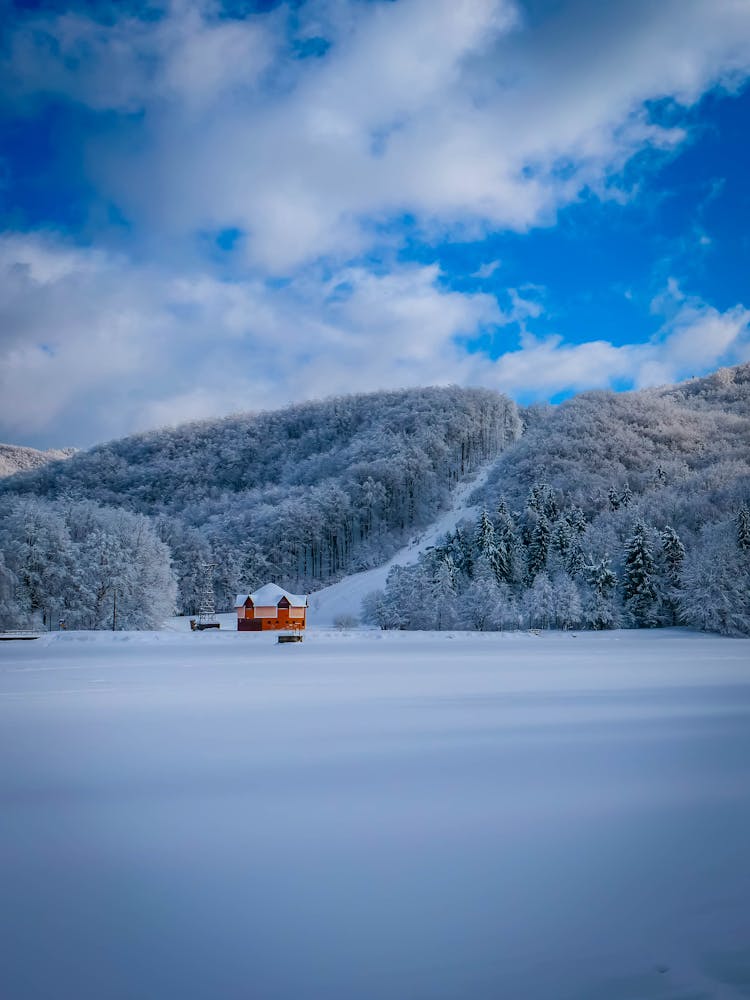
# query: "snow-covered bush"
{"type": "Point", "coordinates": [88, 565]}
{"type": "Point", "coordinates": [715, 593]}
{"type": "Point", "coordinates": [343, 622]}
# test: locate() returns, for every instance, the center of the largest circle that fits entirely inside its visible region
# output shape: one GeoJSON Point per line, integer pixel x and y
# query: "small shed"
{"type": "Point", "coordinates": [270, 608]}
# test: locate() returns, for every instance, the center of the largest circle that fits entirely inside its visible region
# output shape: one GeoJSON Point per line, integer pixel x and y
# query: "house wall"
{"type": "Point", "coordinates": [265, 618]}
{"type": "Point", "coordinates": [268, 624]}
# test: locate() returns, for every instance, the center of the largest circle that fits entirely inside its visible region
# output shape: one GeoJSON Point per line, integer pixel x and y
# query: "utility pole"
{"type": "Point", "coordinates": [114, 610]}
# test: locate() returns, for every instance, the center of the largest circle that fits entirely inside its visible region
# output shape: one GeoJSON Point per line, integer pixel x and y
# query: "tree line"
{"type": "Point", "coordinates": [547, 567]}
{"type": "Point", "coordinates": [300, 496]}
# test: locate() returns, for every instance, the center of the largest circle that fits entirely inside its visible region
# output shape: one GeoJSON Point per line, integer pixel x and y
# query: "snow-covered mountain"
{"type": "Point", "coordinates": [460, 509]}
{"type": "Point", "coordinates": [301, 495]}
{"type": "Point", "coordinates": [612, 508]}
{"type": "Point", "coordinates": [15, 458]}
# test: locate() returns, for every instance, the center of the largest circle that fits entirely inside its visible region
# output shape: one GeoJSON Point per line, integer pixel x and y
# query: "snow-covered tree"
{"type": "Point", "coordinates": [639, 583]}
{"type": "Point", "coordinates": [576, 519]}
{"type": "Point", "coordinates": [715, 594]}
{"type": "Point", "coordinates": [599, 610]}
{"type": "Point", "coordinates": [375, 610]}
{"type": "Point", "coordinates": [479, 606]}
{"type": "Point", "coordinates": [561, 539]}
{"type": "Point", "coordinates": [485, 542]}
{"type": "Point", "coordinates": [568, 606]}
{"type": "Point", "coordinates": [540, 603]}
{"type": "Point", "coordinates": [538, 548]}
{"type": "Point", "coordinates": [672, 558]}
{"type": "Point", "coordinates": [575, 561]}
{"type": "Point", "coordinates": [8, 608]}
{"type": "Point", "coordinates": [507, 559]}
{"type": "Point", "coordinates": [94, 567]}
{"type": "Point", "coordinates": [440, 612]}
{"type": "Point", "coordinates": [510, 614]}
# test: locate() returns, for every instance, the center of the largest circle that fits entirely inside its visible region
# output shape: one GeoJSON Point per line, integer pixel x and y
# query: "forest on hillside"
{"type": "Point", "coordinates": [609, 509]}
{"type": "Point", "coordinates": [300, 496]}
{"type": "Point", "coordinates": [613, 509]}
{"type": "Point", "coordinates": [15, 458]}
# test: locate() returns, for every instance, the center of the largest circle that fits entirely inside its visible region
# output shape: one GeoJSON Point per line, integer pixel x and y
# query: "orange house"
{"type": "Point", "coordinates": [270, 608]}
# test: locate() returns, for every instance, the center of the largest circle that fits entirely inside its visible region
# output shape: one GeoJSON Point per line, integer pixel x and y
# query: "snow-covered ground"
{"type": "Point", "coordinates": [345, 597]}
{"type": "Point", "coordinates": [375, 815]}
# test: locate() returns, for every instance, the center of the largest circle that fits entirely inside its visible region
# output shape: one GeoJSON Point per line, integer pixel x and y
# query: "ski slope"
{"type": "Point", "coordinates": [371, 815]}
{"type": "Point", "coordinates": [345, 597]}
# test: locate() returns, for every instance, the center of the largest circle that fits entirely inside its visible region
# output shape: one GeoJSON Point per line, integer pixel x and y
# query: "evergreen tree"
{"type": "Point", "coordinates": [639, 587]}
{"type": "Point", "coordinates": [660, 477]}
{"type": "Point", "coordinates": [442, 594]}
{"type": "Point", "coordinates": [503, 510]}
{"type": "Point", "coordinates": [577, 520]}
{"type": "Point", "coordinates": [486, 544]}
{"type": "Point", "coordinates": [601, 578]}
{"type": "Point", "coordinates": [599, 610]}
{"type": "Point", "coordinates": [551, 506]}
{"type": "Point", "coordinates": [542, 500]}
{"type": "Point", "coordinates": [575, 562]}
{"type": "Point", "coordinates": [614, 498]}
{"type": "Point", "coordinates": [459, 549]}
{"type": "Point", "coordinates": [535, 498]}
{"type": "Point", "coordinates": [561, 538]}
{"type": "Point", "coordinates": [672, 558]}
{"type": "Point", "coordinates": [538, 548]}
{"type": "Point", "coordinates": [506, 544]}
{"type": "Point", "coordinates": [627, 496]}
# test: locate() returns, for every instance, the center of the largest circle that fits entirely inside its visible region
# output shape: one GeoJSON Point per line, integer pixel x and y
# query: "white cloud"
{"type": "Point", "coordinates": [93, 346]}
{"type": "Point", "coordinates": [487, 270]}
{"type": "Point", "coordinates": [456, 111]}
{"type": "Point", "coordinates": [695, 339]}
{"type": "Point", "coordinates": [187, 59]}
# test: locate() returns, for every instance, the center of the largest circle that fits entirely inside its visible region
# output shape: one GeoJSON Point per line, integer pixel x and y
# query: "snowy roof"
{"type": "Point", "coordinates": [269, 595]}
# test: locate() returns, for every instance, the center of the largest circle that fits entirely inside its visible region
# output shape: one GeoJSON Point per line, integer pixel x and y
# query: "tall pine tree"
{"type": "Point", "coordinates": [600, 611]}
{"type": "Point", "coordinates": [672, 558]}
{"type": "Point", "coordinates": [506, 544]}
{"type": "Point", "coordinates": [639, 583]}
{"type": "Point", "coordinates": [486, 544]}
{"type": "Point", "coordinates": [538, 548]}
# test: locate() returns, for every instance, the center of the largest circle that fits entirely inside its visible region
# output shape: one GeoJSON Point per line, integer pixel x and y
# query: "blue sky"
{"type": "Point", "coordinates": [217, 207]}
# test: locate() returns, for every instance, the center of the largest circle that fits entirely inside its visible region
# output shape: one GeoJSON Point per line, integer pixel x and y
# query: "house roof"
{"type": "Point", "coordinates": [270, 595]}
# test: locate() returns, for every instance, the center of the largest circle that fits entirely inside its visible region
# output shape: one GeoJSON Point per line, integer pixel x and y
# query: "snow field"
{"type": "Point", "coordinates": [375, 815]}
